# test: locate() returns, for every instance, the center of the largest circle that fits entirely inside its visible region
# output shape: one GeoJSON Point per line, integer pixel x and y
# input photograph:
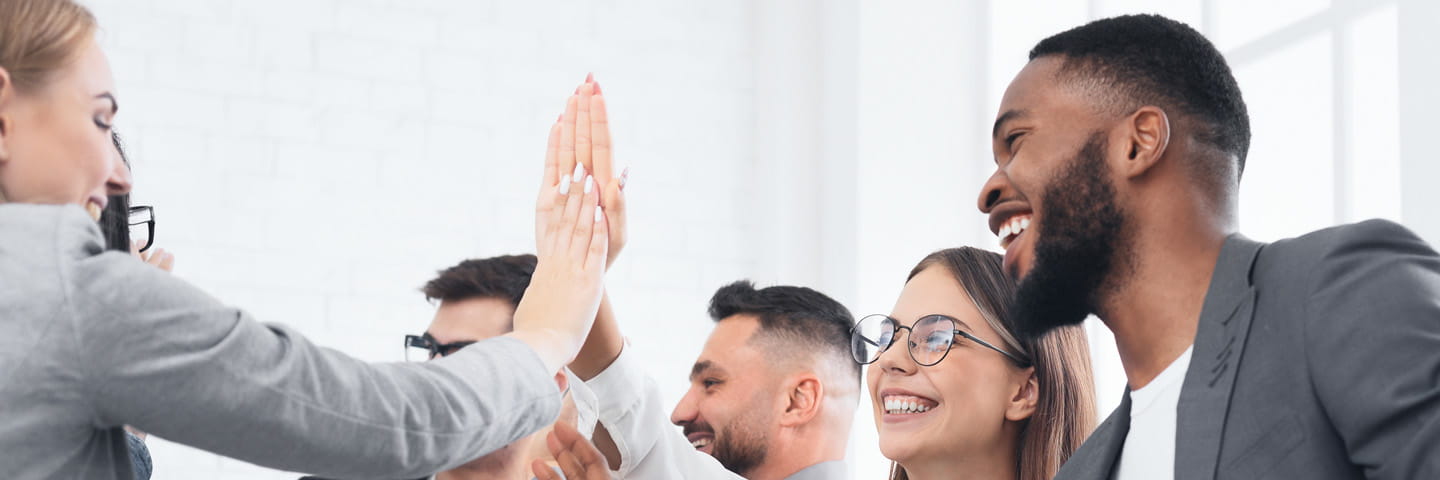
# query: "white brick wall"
{"type": "Point", "coordinates": [315, 161]}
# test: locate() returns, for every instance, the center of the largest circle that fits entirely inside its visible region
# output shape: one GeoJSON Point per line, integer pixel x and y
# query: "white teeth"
{"type": "Point", "coordinates": [902, 406]}
{"type": "Point", "coordinates": [700, 442]}
{"type": "Point", "coordinates": [1012, 228]}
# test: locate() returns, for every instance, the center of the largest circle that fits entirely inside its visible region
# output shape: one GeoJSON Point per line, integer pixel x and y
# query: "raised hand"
{"type": "Point", "coordinates": [577, 457]}
{"type": "Point", "coordinates": [582, 138]}
{"type": "Point", "coordinates": [572, 238]}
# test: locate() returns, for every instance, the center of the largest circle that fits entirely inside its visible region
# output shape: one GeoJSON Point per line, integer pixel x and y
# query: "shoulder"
{"type": "Point", "coordinates": [1367, 237]}
{"type": "Point", "coordinates": [1368, 249]}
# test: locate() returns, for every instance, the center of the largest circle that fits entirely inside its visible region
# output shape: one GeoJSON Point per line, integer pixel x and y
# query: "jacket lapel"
{"type": "Point", "coordinates": [1095, 459]}
{"type": "Point", "coordinates": [1219, 346]}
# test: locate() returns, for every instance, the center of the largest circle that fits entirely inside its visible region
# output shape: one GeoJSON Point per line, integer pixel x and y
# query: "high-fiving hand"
{"type": "Point", "coordinates": [572, 244]}
{"type": "Point", "coordinates": [582, 141]}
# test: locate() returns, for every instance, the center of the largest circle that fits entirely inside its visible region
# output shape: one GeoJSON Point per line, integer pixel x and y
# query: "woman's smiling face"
{"type": "Point", "coordinates": [957, 408]}
{"type": "Point", "coordinates": [55, 145]}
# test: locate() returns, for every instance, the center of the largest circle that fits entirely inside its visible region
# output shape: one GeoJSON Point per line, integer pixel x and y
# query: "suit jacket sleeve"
{"type": "Point", "coordinates": [159, 354]}
{"type": "Point", "coordinates": [1373, 347]}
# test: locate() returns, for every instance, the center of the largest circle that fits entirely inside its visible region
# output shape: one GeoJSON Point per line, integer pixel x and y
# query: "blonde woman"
{"type": "Point", "coordinates": [92, 340]}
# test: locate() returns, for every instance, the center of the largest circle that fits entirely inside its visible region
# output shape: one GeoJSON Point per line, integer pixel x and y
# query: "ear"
{"type": "Point", "coordinates": [1144, 137]}
{"type": "Point", "coordinates": [802, 400]}
{"type": "Point", "coordinates": [1022, 404]}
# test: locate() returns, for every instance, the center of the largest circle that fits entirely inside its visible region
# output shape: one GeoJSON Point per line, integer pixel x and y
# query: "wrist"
{"type": "Point", "coordinates": [554, 347]}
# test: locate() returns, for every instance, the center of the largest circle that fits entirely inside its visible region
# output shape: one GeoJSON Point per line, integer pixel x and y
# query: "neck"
{"type": "Point", "coordinates": [991, 465]}
{"type": "Point", "coordinates": [1155, 312]}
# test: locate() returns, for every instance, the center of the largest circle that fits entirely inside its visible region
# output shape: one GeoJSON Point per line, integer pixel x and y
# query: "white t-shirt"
{"type": "Point", "coordinates": [1149, 452]}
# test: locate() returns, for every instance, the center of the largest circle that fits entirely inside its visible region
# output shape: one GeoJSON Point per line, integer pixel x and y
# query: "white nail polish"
{"type": "Point", "coordinates": [564, 187]}
{"type": "Point", "coordinates": [599, 214]}
{"type": "Point", "coordinates": [579, 172]}
{"type": "Point", "coordinates": [589, 184]}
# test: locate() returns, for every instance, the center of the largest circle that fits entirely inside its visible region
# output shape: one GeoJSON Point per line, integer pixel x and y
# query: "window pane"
{"type": "Point", "coordinates": [1238, 22]}
{"type": "Point", "coordinates": [1288, 184]}
{"type": "Point", "coordinates": [1373, 90]}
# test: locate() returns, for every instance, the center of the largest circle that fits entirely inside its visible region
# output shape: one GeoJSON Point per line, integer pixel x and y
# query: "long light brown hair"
{"type": "Point", "coordinates": [1065, 413]}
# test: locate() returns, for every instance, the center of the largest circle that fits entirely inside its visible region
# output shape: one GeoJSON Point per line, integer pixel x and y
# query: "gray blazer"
{"type": "Point", "coordinates": [1316, 357]}
{"type": "Point", "coordinates": [92, 340]}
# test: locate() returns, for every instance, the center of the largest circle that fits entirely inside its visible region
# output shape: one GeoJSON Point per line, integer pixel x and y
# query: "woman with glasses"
{"type": "Point", "coordinates": [955, 394]}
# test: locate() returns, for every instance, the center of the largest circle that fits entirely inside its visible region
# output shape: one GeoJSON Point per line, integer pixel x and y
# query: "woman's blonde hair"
{"type": "Point", "coordinates": [41, 37]}
{"type": "Point", "coordinates": [1065, 413]}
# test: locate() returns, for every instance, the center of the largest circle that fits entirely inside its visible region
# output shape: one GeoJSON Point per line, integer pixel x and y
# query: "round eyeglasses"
{"type": "Point", "coordinates": [931, 338]}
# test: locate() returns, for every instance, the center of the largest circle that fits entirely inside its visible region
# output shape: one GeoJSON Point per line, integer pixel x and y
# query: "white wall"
{"type": "Point", "coordinates": [315, 161]}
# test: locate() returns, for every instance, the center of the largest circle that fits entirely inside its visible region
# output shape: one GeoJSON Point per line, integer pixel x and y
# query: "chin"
{"type": "Point", "coordinates": [899, 448]}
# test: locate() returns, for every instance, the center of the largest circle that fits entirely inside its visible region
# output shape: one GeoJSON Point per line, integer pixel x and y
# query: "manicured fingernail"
{"type": "Point", "coordinates": [564, 187]}
{"type": "Point", "coordinates": [590, 77]}
{"type": "Point", "coordinates": [589, 184]}
{"type": "Point", "coordinates": [597, 87]}
{"type": "Point", "coordinates": [599, 214]}
{"type": "Point", "coordinates": [624, 177]}
{"type": "Point", "coordinates": [579, 171]}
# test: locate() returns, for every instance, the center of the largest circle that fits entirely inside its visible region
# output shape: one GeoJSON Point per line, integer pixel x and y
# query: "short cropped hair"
{"type": "Point", "coordinates": [793, 317]}
{"type": "Point", "coordinates": [504, 277]}
{"type": "Point", "coordinates": [1153, 60]}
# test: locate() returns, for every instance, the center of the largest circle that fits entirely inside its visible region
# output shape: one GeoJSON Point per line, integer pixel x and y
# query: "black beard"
{"type": "Point", "coordinates": [742, 445]}
{"type": "Point", "coordinates": [1081, 232]}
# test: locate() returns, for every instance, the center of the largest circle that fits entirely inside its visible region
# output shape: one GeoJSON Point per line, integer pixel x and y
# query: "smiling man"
{"type": "Point", "coordinates": [772, 394]}
{"type": "Point", "coordinates": [1119, 151]}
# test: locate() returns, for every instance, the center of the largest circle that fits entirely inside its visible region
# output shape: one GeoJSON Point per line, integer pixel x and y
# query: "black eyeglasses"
{"type": "Point", "coordinates": [425, 347]}
{"type": "Point", "coordinates": [142, 215]}
{"type": "Point", "coordinates": [874, 334]}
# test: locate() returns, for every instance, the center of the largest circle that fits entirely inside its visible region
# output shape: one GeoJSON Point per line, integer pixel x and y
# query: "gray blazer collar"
{"type": "Point", "coordinates": [1218, 349]}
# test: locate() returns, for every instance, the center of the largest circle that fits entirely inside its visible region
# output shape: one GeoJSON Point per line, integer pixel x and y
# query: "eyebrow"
{"type": "Point", "coordinates": [1006, 117]}
{"type": "Point", "coordinates": [701, 366]}
{"type": "Point", "coordinates": [114, 105]}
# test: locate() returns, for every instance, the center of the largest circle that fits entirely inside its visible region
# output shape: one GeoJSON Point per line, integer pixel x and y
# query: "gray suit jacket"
{"type": "Point", "coordinates": [92, 340]}
{"type": "Point", "coordinates": [1316, 357]}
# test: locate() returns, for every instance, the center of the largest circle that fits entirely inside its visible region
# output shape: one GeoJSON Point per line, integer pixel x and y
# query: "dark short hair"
{"type": "Point", "coordinates": [115, 219]}
{"type": "Point", "coordinates": [504, 277]}
{"type": "Point", "coordinates": [1153, 60]}
{"type": "Point", "coordinates": [797, 317]}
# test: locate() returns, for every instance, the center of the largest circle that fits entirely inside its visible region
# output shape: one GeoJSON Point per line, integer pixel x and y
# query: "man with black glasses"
{"type": "Point", "coordinates": [772, 394]}
{"type": "Point", "coordinates": [477, 300]}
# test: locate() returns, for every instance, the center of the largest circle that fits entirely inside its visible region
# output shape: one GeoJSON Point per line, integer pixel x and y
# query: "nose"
{"type": "Point", "coordinates": [995, 189]}
{"type": "Point", "coordinates": [120, 180]}
{"type": "Point", "coordinates": [685, 411]}
{"type": "Point", "coordinates": [896, 359]}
